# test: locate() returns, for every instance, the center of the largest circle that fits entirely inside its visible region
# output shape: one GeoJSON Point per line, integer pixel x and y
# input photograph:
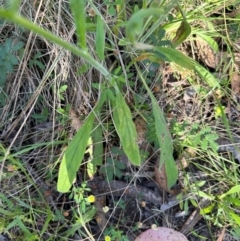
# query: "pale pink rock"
{"type": "Point", "coordinates": [161, 234]}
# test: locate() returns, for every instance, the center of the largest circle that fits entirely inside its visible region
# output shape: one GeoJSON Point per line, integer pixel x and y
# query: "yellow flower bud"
{"type": "Point", "coordinates": [107, 238]}
{"type": "Point", "coordinates": [91, 199]}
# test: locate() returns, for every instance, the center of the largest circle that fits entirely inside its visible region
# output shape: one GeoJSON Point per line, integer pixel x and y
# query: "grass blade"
{"type": "Point", "coordinates": [97, 144]}
{"type": "Point", "coordinates": [14, 5]}
{"type": "Point", "coordinates": [134, 25]}
{"type": "Point", "coordinates": [165, 141]}
{"type": "Point", "coordinates": [78, 12]}
{"type": "Point", "coordinates": [233, 190]}
{"type": "Point", "coordinates": [208, 77]}
{"type": "Point", "coordinates": [164, 138]}
{"type": "Point", "coordinates": [100, 38]}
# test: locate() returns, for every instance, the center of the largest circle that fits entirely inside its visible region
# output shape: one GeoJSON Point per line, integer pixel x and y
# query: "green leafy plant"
{"type": "Point", "coordinates": [17, 212]}
{"type": "Point", "coordinates": [112, 168]}
{"type": "Point", "coordinates": [195, 136]}
{"type": "Point", "coordinates": [85, 211]}
{"type": "Point", "coordinates": [41, 117]}
{"type": "Point", "coordinates": [224, 209]}
{"type": "Point", "coordinates": [128, 44]}
{"type": "Point", "coordinates": [114, 234]}
{"type": "Point", "coordinates": [8, 59]}
{"type": "Point", "coordinates": [35, 62]}
{"type": "Point", "coordinates": [137, 34]}
{"type": "Point", "coordinates": [79, 195]}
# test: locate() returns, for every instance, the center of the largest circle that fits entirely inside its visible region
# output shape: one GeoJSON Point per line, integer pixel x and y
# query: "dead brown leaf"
{"type": "Point", "coordinates": [99, 204]}
{"type": "Point", "coordinates": [206, 53]}
{"type": "Point", "coordinates": [11, 168]}
{"type": "Point", "coordinates": [235, 83]}
{"type": "Point", "coordinates": [141, 128]}
{"type": "Point", "coordinates": [76, 123]}
{"type": "Point", "coordinates": [161, 179]}
{"type": "Point", "coordinates": [182, 161]}
{"type": "Point", "coordinates": [237, 58]}
{"type": "Point", "coordinates": [221, 236]}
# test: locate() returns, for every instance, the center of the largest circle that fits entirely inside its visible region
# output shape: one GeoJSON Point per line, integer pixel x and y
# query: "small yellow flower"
{"type": "Point", "coordinates": [107, 238]}
{"type": "Point", "coordinates": [218, 111]}
{"type": "Point", "coordinates": [91, 199]}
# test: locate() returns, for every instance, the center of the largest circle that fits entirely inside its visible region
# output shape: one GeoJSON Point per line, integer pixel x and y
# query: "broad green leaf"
{"type": "Point", "coordinates": [233, 190]}
{"type": "Point", "coordinates": [236, 232]}
{"type": "Point", "coordinates": [78, 12]}
{"type": "Point", "coordinates": [135, 23]}
{"type": "Point", "coordinates": [177, 57]}
{"type": "Point", "coordinates": [200, 183]}
{"type": "Point", "coordinates": [165, 142]}
{"type": "Point", "coordinates": [164, 139]}
{"type": "Point", "coordinates": [97, 144]}
{"type": "Point", "coordinates": [126, 129]}
{"type": "Point", "coordinates": [73, 156]}
{"type": "Point", "coordinates": [100, 38]}
{"type": "Point", "coordinates": [194, 203]}
{"type": "Point", "coordinates": [74, 153]}
{"type": "Point", "coordinates": [182, 33]}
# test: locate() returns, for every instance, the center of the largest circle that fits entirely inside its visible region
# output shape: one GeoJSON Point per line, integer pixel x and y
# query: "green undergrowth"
{"type": "Point", "coordinates": [81, 95]}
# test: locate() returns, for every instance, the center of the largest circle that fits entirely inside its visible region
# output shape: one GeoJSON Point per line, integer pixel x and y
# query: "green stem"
{"type": "Point", "coordinates": [19, 20]}
{"type": "Point", "coordinates": [181, 11]}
